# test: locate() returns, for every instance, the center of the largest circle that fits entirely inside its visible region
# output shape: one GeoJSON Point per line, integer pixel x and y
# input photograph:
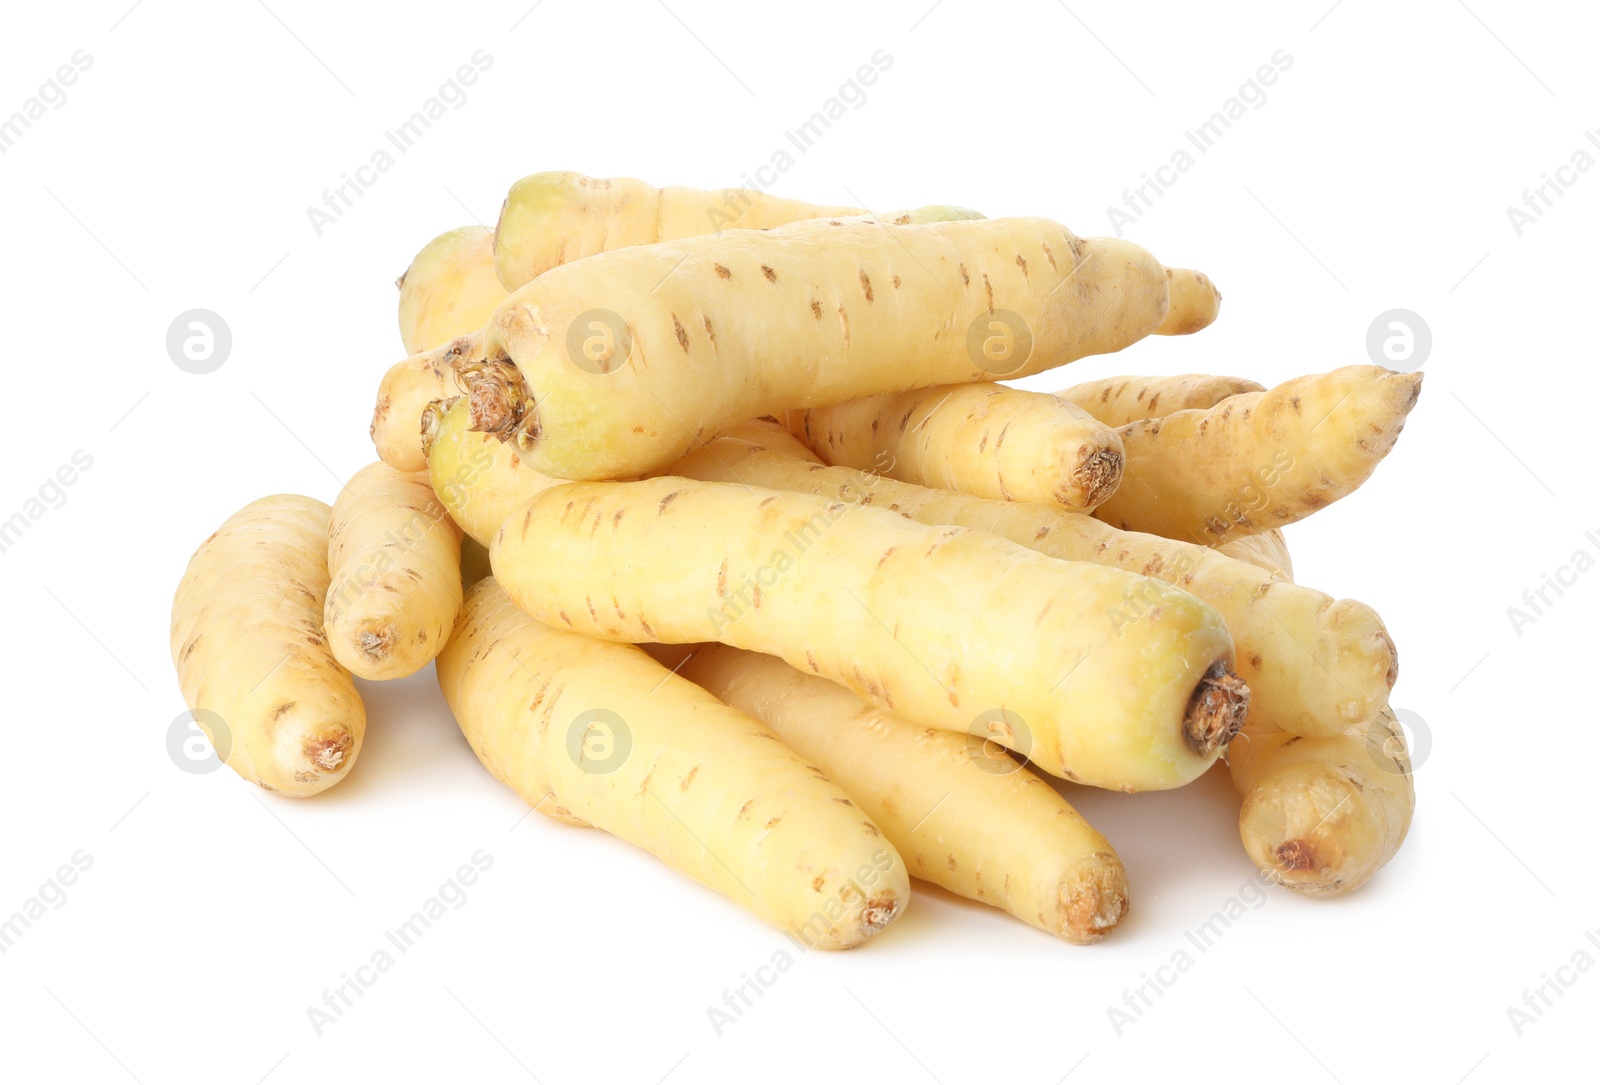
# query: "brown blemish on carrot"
{"type": "Point", "coordinates": [1296, 855]}
{"type": "Point", "coordinates": [1023, 264]}
{"type": "Point", "coordinates": [816, 310]}
{"type": "Point", "coordinates": [689, 779]}
{"type": "Point", "coordinates": [1216, 710]}
{"type": "Point", "coordinates": [772, 276]}
{"type": "Point", "coordinates": [665, 501]}
{"type": "Point", "coordinates": [327, 753]}
{"type": "Point", "coordinates": [773, 822]}
{"type": "Point", "coordinates": [722, 272]}
{"type": "Point", "coordinates": [866, 285]}
{"type": "Point", "coordinates": [683, 336]}
{"type": "Point", "coordinates": [965, 279]}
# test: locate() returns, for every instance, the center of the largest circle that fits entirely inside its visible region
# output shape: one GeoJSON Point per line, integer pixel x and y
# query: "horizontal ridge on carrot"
{"type": "Point", "coordinates": [252, 660]}
{"type": "Point", "coordinates": [600, 734]}
{"type": "Point", "coordinates": [613, 366]}
{"type": "Point", "coordinates": [1315, 665]}
{"type": "Point", "coordinates": [1259, 460]}
{"type": "Point", "coordinates": [962, 813]}
{"type": "Point", "coordinates": [394, 559]}
{"type": "Point", "coordinates": [450, 289]}
{"type": "Point", "coordinates": [943, 625]}
{"type": "Point", "coordinates": [1118, 400]}
{"type": "Point", "coordinates": [982, 439]}
{"type": "Point", "coordinates": [405, 392]}
{"type": "Point", "coordinates": [554, 218]}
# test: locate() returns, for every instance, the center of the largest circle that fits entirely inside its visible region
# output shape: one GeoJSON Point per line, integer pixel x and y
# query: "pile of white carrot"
{"type": "Point", "coordinates": [728, 540]}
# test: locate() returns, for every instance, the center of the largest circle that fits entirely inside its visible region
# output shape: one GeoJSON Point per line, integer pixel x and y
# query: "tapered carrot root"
{"type": "Point", "coordinates": [1117, 401]}
{"type": "Point", "coordinates": [981, 439]}
{"type": "Point", "coordinates": [394, 559]}
{"type": "Point", "coordinates": [629, 358]}
{"type": "Point", "coordinates": [1259, 460]}
{"type": "Point", "coordinates": [554, 218]}
{"type": "Point", "coordinates": [941, 625]}
{"type": "Point", "coordinates": [963, 814]}
{"type": "Point", "coordinates": [1314, 665]}
{"type": "Point", "coordinates": [1194, 302]}
{"type": "Point", "coordinates": [479, 479]}
{"type": "Point", "coordinates": [405, 392]}
{"type": "Point", "coordinates": [1265, 551]}
{"type": "Point", "coordinates": [252, 661]}
{"type": "Point", "coordinates": [600, 734]}
{"type": "Point", "coordinates": [1322, 815]}
{"type": "Point", "coordinates": [450, 289]}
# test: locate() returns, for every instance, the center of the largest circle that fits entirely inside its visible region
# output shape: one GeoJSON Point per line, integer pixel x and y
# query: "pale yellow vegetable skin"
{"type": "Point", "coordinates": [1259, 460]}
{"type": "Point", "coordinates": [1194, 302]}
{"type": "Point", "coordinates": [1267, 550]}
{"type": "Point", "coordinates": [248, 646]}
{"type": "Point", "coordinates": [405, 392]}
{"type": "Point", "coordinates": [600, 734]}
{"type": "Point", "coordinates": [480, 480]}
{"type": "Point", "coordinates": [1314, 665]}
{"type": "Point", "coordinates": [555, 218]}
{"type": "Point", "coordinates": [960, 810]}
{"type": "Point", "coordinates": [450, 289]}
{"type": "Point", "coordinates": [394, 560]}
{"type": "Point", "coordinates": [1322, 815]}
{"type": "Point", "coordinates": [625, 360]}
{"type": "Point", "coordinates": [1118, 400]}
{"type": "Point", "coordinates": [941, 625]}
{"type": "Point", "coordinates": [981, 439]}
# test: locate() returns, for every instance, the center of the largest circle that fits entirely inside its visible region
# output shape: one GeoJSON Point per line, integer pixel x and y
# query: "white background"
{"type": "Point", "coordinates": [1377, 175]}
